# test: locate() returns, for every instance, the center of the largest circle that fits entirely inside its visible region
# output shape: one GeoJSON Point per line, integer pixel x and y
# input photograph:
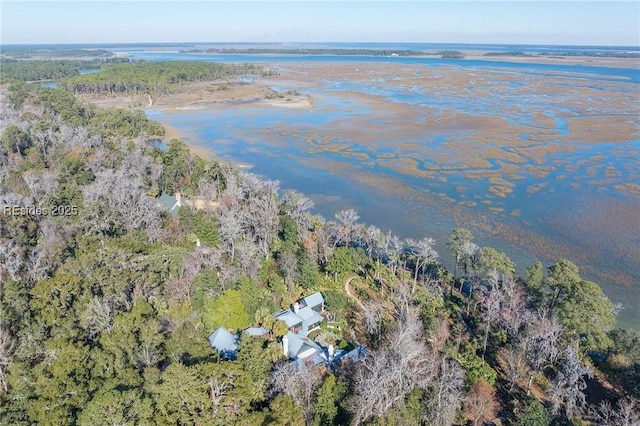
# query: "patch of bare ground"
{"type": "Point", "coordinates": [203, 95]}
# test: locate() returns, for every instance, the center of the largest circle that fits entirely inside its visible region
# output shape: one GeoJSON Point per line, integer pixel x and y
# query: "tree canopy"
{"type": "Point", "coordinates": [106, 305]}
{"type": "Point", "coordinates": [153, 77]}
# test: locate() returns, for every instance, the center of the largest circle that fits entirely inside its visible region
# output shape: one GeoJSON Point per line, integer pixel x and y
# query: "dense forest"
{"type": "Point", "coordinates": [52, 51]}
{"type": "Point", "coordinates": [41, 69]}
{"type": "Point", "coordinates": [155, 78]}
{"type": "Point", "coordinates": [107, 297]}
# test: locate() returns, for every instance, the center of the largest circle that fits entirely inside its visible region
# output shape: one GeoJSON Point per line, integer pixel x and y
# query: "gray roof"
{"type": "Point", "coordinates": [224, 342]}
{"type": "Point", "coordinates": [298, 344]}
{"type": "Point", "coordinates": [256, 331]}
{"type": "Point", "coordinates": [314, 299]}
{"type": "Point", "coordinates": [354, 355]}
{"type": "Point", "coordinates": [307, 313]}
{"type": "Point", "coordinates": [317, 359]}
{"type": "Point", "coordinates": [289, 317]}
{"type": "Point", "coordinates": [310, 317]}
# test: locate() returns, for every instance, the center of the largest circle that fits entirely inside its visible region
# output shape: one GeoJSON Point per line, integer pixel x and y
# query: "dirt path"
{"type": "Point", "coordinates": [347, 289]}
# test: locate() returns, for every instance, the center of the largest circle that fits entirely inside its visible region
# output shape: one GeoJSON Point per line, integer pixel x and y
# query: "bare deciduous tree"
{"type": "Point", "coordinates": [393, 250]}
{"type": "Point", "coordinates": [297, 207]}
{"type": "Point", "coordinates": [372, 318]}
{"type": "Point", "coordinates": [288, 263]}
{"type": "Point", "coordinates": [263, 215]}
{"type": "Point", "coordinates": [541, 345]}
{"type": "Point", "coordinates": [491, 301]}
{"type": "Point", "coordinates": [230, 221]}
{"type": "Point", "coordinates": [346, 221]}
{"type": "Point", "coordinates": [299, 382]}
{"type": "Point", "coordinates": [515, 365]}
{"type": "Point", "coordinates": [123, 193]}
{"type": "Point", "coordinates": [624, 413]}
{"type": "Point", "coordinates": [12, 260]}
{"type": "Point", "coordinates": [389, 374]}
{"type": "Point", "coordinates": [6, 348]}
{"type": "Point", "coordinates": [568, 385]}
{"type": "Point", "coordinates": [247, 258]}
{"type": "Point", "coordinates": [375, 244]}
{"type": "Point", "coordinates": [424, 254]}
{"type": "Point", "coordinates": [447, 394]}
{"type": "Point", "coordinates": [325, 242]}
{"type": "Point", "coordinates": [514, 313]}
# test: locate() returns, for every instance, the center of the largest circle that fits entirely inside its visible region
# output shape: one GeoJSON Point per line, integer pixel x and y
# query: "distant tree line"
{"type": "Point", "coordinates": [510, 53]}
{"type": "Point", "coordinates": [37, 70]}
{"type": "Point", "coordinates": [309, 51]}
{"type": "Point", "coordinates": [451, 54]}
{"type": "Point", "coordinates": [51, 52]}
{"type": "Point", "coordinates": [155, 77]}
{"type": "Point", "coordinates": [448, 54]}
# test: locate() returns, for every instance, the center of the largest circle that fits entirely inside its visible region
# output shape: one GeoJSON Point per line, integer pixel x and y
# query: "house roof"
{"type": "Point", "coordinates": [317, 359]}
{"type": "Point", "coordinates": [309, 317]}
{"type": "Point", "coordinates": [299, 345]}
{"type": "Point", "coordinates": [352, 356]}
{"type": "Point", "coordinates": [314, 299]}
{"type": "Point", "coordinates": [224, 342]}
{"type": "Point", "coordinates": [256, 331]}
{"type": "Point", "coordinates": [289, 318]}
{"type": "Point", "coordinates": [307, 313]}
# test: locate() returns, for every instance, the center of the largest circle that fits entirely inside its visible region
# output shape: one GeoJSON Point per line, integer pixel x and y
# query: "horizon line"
{"type": "Point", "coordinates": [308, 42]}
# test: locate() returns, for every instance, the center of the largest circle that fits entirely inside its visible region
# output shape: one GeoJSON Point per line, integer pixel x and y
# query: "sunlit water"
{"type": "Point", "coordinates": [572, 210]}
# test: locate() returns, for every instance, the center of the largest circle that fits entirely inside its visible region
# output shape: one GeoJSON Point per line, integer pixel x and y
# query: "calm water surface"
{"type": "Point", "coordinates": [590, 223]}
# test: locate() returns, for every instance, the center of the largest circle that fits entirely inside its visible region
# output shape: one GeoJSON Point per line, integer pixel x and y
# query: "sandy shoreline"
{"type": "Point", "coordinates": [199, 96]}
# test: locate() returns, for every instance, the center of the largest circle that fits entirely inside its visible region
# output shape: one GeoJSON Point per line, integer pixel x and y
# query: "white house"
{"type": "Point", "coordinates": [303, 317]}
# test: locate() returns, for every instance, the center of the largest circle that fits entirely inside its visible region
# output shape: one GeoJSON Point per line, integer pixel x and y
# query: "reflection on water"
{"type": "Point", "coordinates": [89, 70]}
{"type": "Point", "coordinates": [490, 153]}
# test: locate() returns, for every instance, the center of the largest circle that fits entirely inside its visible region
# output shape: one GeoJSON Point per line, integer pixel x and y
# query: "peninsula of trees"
{"type": "Point", "coordinates": [107, 297]}
{"type": "Point", "coordinates": [155, 78]}
{"type": "Point", "coordinates": [41, 70]}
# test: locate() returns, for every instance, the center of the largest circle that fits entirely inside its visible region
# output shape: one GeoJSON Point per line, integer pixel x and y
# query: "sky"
{"type": "Point", "coordinates": [502, 22]}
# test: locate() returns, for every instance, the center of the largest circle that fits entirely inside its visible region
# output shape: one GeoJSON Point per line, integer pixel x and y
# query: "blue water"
{"type": "Point", "coordinates": [291, 145]}
{"type": "Point", "coordinates": [430, 47]}
{"type": "Point", "coordinates": [597, 73]}
{"type": "Point", "coordinates": [54, 84]}
{"type": "Point", "coordinates": [89, 70]}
